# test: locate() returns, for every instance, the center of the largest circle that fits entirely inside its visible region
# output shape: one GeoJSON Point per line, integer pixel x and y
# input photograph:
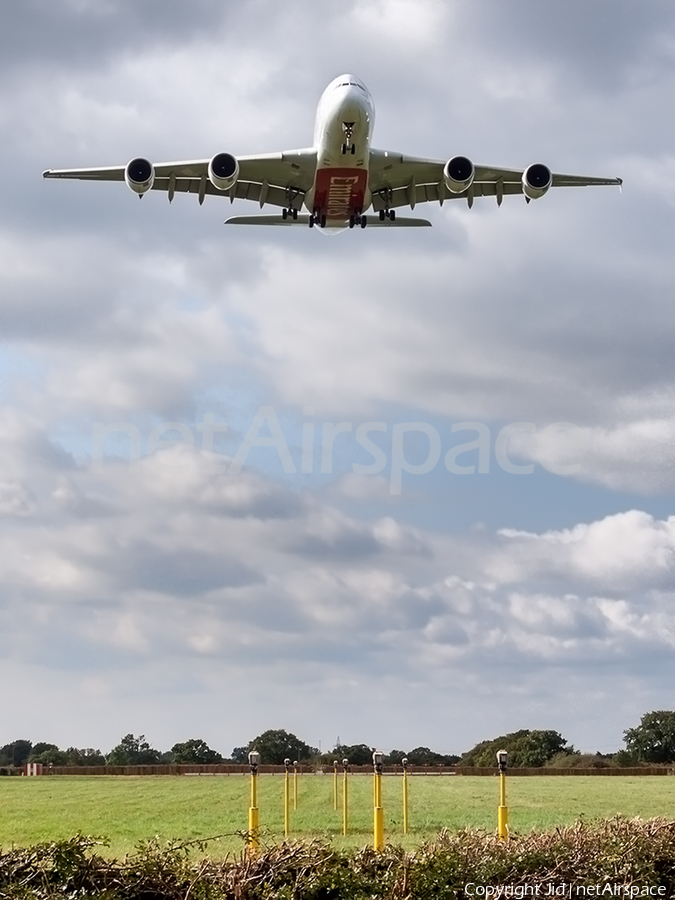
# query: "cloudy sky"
{"type": "Point", "coordinates": [401, 488]}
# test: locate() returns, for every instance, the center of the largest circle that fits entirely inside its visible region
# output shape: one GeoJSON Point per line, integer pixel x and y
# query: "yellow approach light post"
{"type": "Point", "coordinates": [404, 763]}
{"type": "Point", "coordinates": [287, 797]}
{"type": "Point", "coordinates": [295, 784]}
{"type": "Point", "coordinates": [502, 812]}
{"type": "Point", "coordinates": [378, 817]}
{"type": "Point", "coordinates": [253, 813]}
{"type": "Point", "coordinates": [345, 796]}
{"type": "Point", "coordinates": [335, 790]}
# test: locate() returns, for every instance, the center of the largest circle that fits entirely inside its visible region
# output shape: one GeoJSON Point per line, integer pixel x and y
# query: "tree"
{"type": "Point", "coordinates": [653, 740]}
{"type": "Point", "coordinates": [86, 757]}
{"type": "Point", "coordinates": [625, 758]}
{"type": "Point", "coordinates": [276, 745]}
{"type": "Point", "coordinates": [195, 751]}
{"type": "Point", "coordinates": [50, 754]}
{"type": "Point", "coordinates": [133, 751]}
{"type": "Point", "coordinates": [16, 753]}
{"type": "Point", "coordinates": [423, 756]}
{"type": "Point", "coordinates": [525, 748]}
{"type": "Point", "coordinates": [357, 754]}
{"type": "Point", "coordinates": [47, 754]}
{"type": "Point", "coordinates": [40, 748]}
{"type": "Point", "coordinates": [394, 757]}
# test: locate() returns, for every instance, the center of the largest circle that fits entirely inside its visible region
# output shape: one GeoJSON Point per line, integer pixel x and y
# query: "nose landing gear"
{"type": "Point", "coordinates": [348, 146]}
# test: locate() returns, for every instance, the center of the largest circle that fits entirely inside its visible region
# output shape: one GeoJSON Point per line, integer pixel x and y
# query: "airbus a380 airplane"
{"type": "Point", "coordinates": [337, 180]}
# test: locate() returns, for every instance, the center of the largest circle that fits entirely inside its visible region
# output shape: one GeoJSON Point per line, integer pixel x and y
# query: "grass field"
{"type": "Point", "coordinates": [128, 809]}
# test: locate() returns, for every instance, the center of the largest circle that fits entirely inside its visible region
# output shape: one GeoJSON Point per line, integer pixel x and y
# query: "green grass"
{"type": "Point", "coordinates": [130, 809]}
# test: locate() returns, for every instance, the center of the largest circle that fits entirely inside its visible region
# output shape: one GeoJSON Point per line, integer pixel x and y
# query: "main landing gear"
{"type": "Point", "coordinates": [293, 213]}
{"type": "Point", "coordinates": [358, 220]}
{"type": "Point", "coordinates": [316, 218]}
{"type": "Point", "coordinates": [388, 214]}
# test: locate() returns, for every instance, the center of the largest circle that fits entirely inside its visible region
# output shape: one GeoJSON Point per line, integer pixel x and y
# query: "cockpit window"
{"type": "Point", "coordinates": [351, 84]}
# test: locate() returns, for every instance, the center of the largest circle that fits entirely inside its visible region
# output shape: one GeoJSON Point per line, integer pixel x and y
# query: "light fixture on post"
{"type": "Point", "coordinates": [345, 795]}
{"type": "Point", "coordinates": [404, 763]}
{"type": "Point", "coordinates": [253, 813]}
{"type": "Point", "coordinates": [378, 814]}
{"type": "Point", "coordinates": [287, 796]}
{"type": "Point", "coordinates": [502, 812]}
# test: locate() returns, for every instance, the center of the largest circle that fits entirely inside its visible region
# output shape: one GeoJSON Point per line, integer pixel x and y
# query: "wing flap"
{"type": "Point", "coordinates": [428, 193]}
{"type": "Point", "coordinates": [243, 190]}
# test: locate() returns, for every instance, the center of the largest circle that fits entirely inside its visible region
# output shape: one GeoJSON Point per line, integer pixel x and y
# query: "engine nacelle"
{"type": "Point", "coordinates": [537, 179]}
{"type": "Point", "coordinates": [139, 175]}
{"type": "Point", "coordinates": [223, 171]}
{"type": "Point", "coordinates": [458, 174]}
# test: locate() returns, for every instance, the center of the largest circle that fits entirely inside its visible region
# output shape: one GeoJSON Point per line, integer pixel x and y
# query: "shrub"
{"type": "Point", "coordinates": [618, 851]}
{"type": "Point", "coordinates": [580, 761]}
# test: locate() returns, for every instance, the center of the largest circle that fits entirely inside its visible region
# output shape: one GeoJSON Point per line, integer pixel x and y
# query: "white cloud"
{"type": "Point", "coordinates": [623, 551]}
{"type": "Point", "coordinates": [14, 500]}
{"type": "Point", "coordinates": [403, 24]}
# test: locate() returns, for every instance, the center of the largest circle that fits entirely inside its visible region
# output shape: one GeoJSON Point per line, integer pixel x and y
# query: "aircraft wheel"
{"type": "Point", "coordinates": [352, 221]}
{"type": "Point", "coordinates": [323, 222]}
{"type": "Point", "coordinates": [295, 214]}
{"type": "Point", "coordinates": [311, 221]}
{"type": "Point", "coordinates": [284, 213]}
{"type": "Point", "coordinates": [353, 149]}
{"type": "Point", "coordinates": [383, 215]}
{"type": "Point", "coordinates": [392, 214]}
{"type": "Point", "coordinates": [364, 221]}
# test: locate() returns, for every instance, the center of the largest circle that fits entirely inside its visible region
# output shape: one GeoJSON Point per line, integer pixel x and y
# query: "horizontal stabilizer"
{"type": "Point", "coordinates": [304, 220]}
{"type": "Point", "coordinates": [399, 223]}
{"type": "Point", "coordinates": [267, 220]}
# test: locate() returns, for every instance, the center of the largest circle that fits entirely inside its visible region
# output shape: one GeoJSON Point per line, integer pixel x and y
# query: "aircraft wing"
{"type": "Point", "coordinates": [280, 179]}
{"type": "Point", "coordinates": [397, 180]}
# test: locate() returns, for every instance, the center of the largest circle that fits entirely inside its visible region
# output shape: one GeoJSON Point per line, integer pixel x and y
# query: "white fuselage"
{"type": "Point", "coordinates": [344, 123]}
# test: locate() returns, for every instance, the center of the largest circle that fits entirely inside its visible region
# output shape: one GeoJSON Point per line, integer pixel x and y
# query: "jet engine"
{"type": "Point", "coordinates": [537, 179]}
{"type": "Point", "coordinates": [223, 171]}
{"type": "Point", "coordinates": [458, 173]}
{"type": "Point", "coordinates": [139, 175]}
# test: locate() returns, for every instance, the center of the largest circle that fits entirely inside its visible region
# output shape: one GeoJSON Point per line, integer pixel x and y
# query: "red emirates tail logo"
{"type": "Point", "coordinates": [340, 192]}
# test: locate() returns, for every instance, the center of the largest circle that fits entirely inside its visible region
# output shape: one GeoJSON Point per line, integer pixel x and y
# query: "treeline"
{"type": "Point", "coordinates": [275, 746]}
{"type": "Point", "coordinates": [651, 742]}
{"type": "Point", "coordinates": [131, 751]}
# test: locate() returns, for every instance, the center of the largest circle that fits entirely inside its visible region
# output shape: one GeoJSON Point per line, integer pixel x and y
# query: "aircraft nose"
{"type": "Point", "coordinates": [352, 105]}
